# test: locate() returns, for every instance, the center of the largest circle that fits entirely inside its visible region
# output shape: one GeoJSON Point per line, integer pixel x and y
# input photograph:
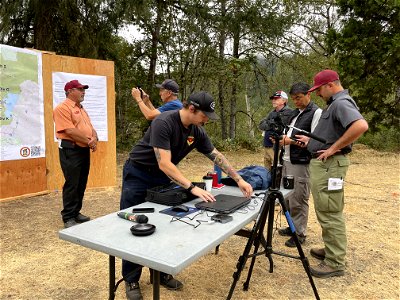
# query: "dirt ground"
{"type": "Point", "coordinates": [36, 264]}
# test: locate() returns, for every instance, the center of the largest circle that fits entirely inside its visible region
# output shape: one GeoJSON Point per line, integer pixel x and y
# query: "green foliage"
{"type": "Point", "coordinates": [236, 144]}
{"type": "Point", "coordinates": [383, 140]}
{"type": "Point", "coordinates": [235, 50]}
{"type": "Point", "coordinates": [368, 56]}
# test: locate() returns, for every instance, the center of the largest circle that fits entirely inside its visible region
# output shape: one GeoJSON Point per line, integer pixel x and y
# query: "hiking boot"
{"type": "Point", "coordinates": [133, 291]}
{"type": "Point", "coordinates": [291, 243]}
{"type": "Point", "coordinates": [69, 223]}
{"type": "Point", "coordinates": [318, 253]}
{"type": "Point", "coordinates": [285, 231]}
{"type": "Point", "coordinates": [324, 271]}
{"type": "Point", "coordinates": [81, 218]}
{"type": "Point", "coordinates": [169, 282]}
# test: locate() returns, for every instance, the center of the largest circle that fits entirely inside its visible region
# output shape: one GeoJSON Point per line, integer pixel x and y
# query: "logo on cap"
{"type": "Point", "coordinates": [279, 94]}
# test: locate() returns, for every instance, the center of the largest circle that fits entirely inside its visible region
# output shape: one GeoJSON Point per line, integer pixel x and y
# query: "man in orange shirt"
{"type": "Point", "coordinates": [76, 136]}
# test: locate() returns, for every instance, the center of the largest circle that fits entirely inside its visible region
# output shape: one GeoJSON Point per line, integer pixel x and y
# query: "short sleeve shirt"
{"type": "Point", "coordinates": [69, 114]}
{"type": "Point", "coordinates": [171, 105]}
{"type": "Point", "coordinates": [335, 119]}
{"type": "Point", "coordinates": [167, 132]}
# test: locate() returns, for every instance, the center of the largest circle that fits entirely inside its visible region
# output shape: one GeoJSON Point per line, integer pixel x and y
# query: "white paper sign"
{"type": "Point", "coordinates": [335, 184]}
{"type": "Point", "coordinates": [95, 102]}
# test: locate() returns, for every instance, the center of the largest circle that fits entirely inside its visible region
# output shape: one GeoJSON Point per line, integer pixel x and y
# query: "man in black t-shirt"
{"type": "Point", "coordinates": [152, 162]}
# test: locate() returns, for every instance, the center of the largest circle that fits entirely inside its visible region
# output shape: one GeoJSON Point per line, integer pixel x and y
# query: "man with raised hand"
{"type": "Point", "coordinates": [168, 93]}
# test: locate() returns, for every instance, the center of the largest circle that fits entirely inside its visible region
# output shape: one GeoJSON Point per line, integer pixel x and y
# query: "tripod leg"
{"type": "Point", "coordinates": [256, 232]}
{"type": "Point", "coordinates": [303, 258]}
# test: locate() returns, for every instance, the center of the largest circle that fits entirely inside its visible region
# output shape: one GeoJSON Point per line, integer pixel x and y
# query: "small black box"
{"type": "Point", "coordinates": [221, 218]}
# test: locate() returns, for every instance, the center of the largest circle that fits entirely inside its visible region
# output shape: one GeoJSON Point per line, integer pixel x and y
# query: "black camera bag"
{"type": "Point", "coordinates": [171, 194]}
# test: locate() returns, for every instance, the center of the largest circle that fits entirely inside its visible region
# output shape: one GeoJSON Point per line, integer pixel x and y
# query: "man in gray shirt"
{"type": "Point", "coordinates": [340, 125]}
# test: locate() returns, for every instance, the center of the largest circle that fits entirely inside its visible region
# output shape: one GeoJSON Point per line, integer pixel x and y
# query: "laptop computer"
{"type": "Point", "coordinates": [225, 204]}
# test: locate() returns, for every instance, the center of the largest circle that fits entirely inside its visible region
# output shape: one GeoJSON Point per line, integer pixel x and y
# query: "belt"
{"type": "Point", "coordinates": [68, 144]}
{"type": "Point", "coordinates": [315, 155]}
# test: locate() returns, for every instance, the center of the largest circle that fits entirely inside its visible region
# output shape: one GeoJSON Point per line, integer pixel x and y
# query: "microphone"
{"type": "Point", "coordinates": [133, 217]}
{"type": "Point", "coordinates": [309, 134]}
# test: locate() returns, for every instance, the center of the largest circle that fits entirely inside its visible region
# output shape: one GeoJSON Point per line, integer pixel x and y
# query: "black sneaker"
{"type": "Point", "coordinates": [69, 223]}
{"type": "Point", "coordinates": [81, 218]}
{"type": "Point", "coordinates": [291, 243]}
{"type": "Point", "coordinates": [285, 231]}
{"type": "Point", "coordinates": [132, 290]}
{"type": "Point", "coordinates": [169, 282]}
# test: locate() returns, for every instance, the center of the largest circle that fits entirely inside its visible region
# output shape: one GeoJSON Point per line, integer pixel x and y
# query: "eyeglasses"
{"type": "Point", "coordinates": [198, 222]}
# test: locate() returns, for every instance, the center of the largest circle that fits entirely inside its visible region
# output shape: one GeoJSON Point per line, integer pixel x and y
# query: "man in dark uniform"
{"type": "Point", "coordinates": [340, 125]}
{"type": "Point", "coordinates": [152, 162]}
{"type": "Point", "coordinates": [279, 103]}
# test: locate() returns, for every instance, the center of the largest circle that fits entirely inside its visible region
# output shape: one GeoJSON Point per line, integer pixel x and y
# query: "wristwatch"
{"type": "Point", "coordinates": [190, 188]}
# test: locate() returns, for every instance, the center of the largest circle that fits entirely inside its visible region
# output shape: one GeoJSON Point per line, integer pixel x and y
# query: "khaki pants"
{"type": "Point", "coordinates": [329, 207]}
{"type": "Point", "coordinates": [297, 201]}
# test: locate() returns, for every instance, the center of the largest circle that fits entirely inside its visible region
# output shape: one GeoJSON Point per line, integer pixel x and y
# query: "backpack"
{"type": "Point", "coordinates": [257, 176]}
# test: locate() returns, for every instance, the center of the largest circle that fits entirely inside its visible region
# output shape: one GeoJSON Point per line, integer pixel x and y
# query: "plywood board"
{"type": "Point", "coordinates": [103, 161]}
{"type": "Point", "coordinates": [25, 176]}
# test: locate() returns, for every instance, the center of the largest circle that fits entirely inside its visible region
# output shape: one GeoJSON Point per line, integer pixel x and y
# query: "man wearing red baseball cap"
{"type": "Point", "coordinates": [76, 136]}
{"type": "Point", "coordinates": [340, 125]}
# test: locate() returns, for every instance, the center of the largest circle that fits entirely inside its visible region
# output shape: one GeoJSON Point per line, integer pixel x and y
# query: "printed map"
{"type": "Point", "coordinates": [21, 104]}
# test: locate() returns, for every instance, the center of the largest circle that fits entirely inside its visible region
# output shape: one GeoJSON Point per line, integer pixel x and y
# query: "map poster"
{"type": "Point", "coordinates": [95, 102]}
{"type": "Point", "coordinates": [22, 133]}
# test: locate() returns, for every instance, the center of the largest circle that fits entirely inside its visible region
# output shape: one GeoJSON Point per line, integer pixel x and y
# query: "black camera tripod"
{"type": "Point", "coordinates": [256, 236]}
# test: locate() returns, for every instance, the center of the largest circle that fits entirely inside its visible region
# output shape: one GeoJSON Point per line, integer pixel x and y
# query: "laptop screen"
{"type": "Point", "coordinates": [225, 204]}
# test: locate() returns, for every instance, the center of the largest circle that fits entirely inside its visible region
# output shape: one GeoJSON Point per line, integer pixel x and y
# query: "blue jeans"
{"type": "Point", "coordinates": [135, 182]}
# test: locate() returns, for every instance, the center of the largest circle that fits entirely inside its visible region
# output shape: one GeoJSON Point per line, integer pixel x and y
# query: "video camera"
{"type": "Point", "coordinates": [275, 124]}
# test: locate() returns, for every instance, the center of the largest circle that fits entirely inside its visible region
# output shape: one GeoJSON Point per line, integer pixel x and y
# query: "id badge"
{"type": "Point", "coordinates": [335, 184]}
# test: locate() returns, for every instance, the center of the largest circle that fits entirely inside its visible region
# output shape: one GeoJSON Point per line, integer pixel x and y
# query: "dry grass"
{"type": "Point", "coordinates": [36, 264]}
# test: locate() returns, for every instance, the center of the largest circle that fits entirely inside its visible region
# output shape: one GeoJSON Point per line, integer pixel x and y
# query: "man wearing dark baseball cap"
{"type": "Point", "coordinates": [77, 137]}
{"type": "Point", "coordinates": [204, 102]}
{"type": "Point", "coordinates": [169, 84]}
{"type": "Point", "coordinates": [168, 93]}
{"type": "Point", "coordinates": [340, 125]}
{"type": "Point", "coordinates": [153, 162]}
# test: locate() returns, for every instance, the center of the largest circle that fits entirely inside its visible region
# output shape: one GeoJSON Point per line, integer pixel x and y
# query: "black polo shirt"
{"type": "Point", "coordinates": [167, 132]}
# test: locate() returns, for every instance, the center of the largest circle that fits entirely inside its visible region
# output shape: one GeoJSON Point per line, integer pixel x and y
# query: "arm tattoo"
{"type": "Point", "coordinates": [157, 154]}
{"type": "Point", "coordinates": [177, 181]}
{"type": "Point", "coordinates": [220, 160]}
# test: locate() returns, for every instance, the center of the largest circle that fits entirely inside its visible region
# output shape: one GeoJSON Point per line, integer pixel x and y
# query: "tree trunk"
{"type": "Point", "coordinates": [248, 111]}
{"type": "Point", "coordinates": [232, 119]}
{"type": "Point", "coordinates": [155, 39]}
{"type": "Point", "coordinates": [220, 100]}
